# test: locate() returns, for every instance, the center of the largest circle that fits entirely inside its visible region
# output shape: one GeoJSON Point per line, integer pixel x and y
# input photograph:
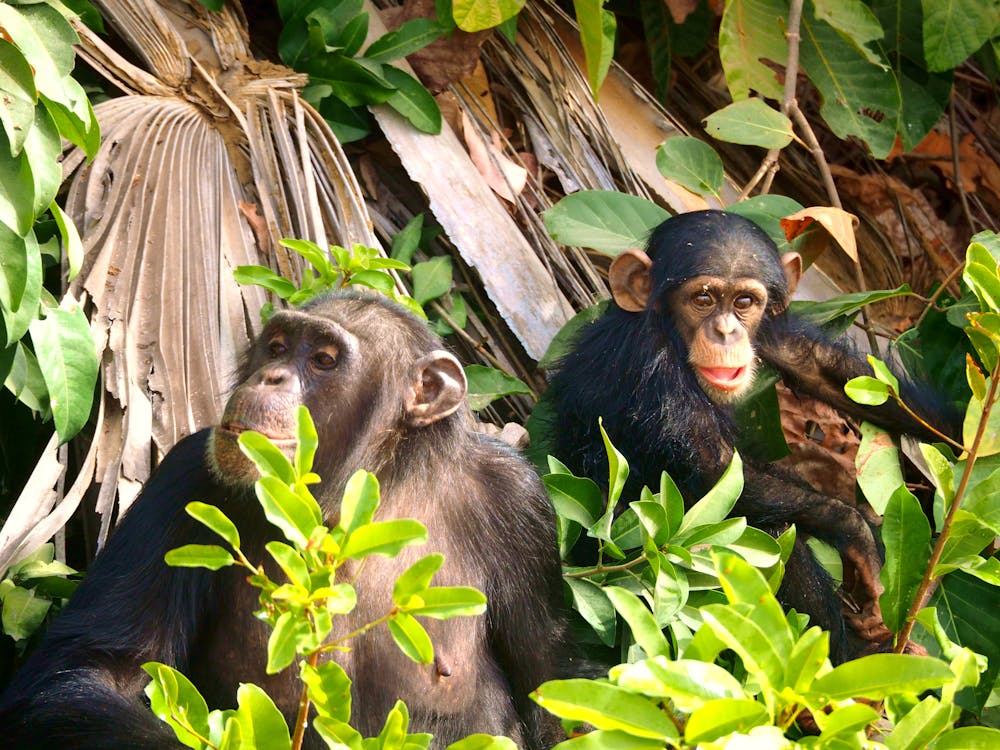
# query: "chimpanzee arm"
{"type": "Point", "coordinates": [82, 688]}
{"type": "Point", "coordinates": [812, 363]}
{"type": "Point", "coordinates": [527, 632]}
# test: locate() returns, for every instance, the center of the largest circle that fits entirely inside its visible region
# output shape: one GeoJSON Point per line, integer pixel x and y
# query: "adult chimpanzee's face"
{"type": "Point", "coordinates": [298, 359]}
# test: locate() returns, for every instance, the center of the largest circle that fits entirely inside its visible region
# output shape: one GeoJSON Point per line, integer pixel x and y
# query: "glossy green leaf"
{"type": "Point", "coordinates": [592, 603]}
{"type": "Point", "coordinates": [578, 499]}
{"type": "Point", "coordinates": [431, 278]}
{"type": "Point", "coordinates": [20, 283]}
{"type": "Point", "coordinates": [17, 84]}
{"type": "Point", "coordinates": [605, 707]}
{"type": "Point", "coordinates": [413, 35]}
{"type": "Point", "coordinates": [847, 721]}
{"type": "Point", "coordinates": [416, 578]}
{"type": "Point", "coordinates": [969, 738]}
{"type": "Point", "coordinates": [208, 556]}
{"type": "Point", "coordinates": [689, 684]}
{"type": "Point", "coordinates": [610, 739]}
{"type": "Point", "coordinates": [722, 716]}
{"type": "Point", "coordinates": [270, 460]}
{"type": "Point", "coordinates": [260, 720]}
{"type": "Point", "coordinates": [478, 15]}
{"type": "Point", "coordinates": [25, 380]}
{"type": "Point", "coordinates": [691, 163]}
{"type": "Point", "coordinates": [955, 30]}
{"type": "Point", "coordinates": [806, 658]}
{"type": "Point", "coordinates": [564, 341]}
{"type": "Point", "coordinates": [407, 240]}
{"type": "Point", "coordinates": [214, 519]}
{"type": "Point", "coordinates": [867, 390]}
{"type": "Point", "coordinates": [718, 501]}
{"type": "Point", "coordinates": [411, 638]}
{"type": "Point", "coordinates": [444, 602]}
{"type": "Point", "coordinates": [329, 688]}
{"type": "Point", "coordinates": [23, 612]}
{"type": "Point", "coordinates": [974, 414]}
{"type": "Point", "coordinates": [360, 501]}
{"type": "Point", "coordinates": [294, 514]}
{"type": "Point", "coordinates": [487, 384]}
{"type": "Point", "coordinates": [750, 122]}
{"type": "Point", "coordinates": [751, 32]}
{"type": "Point", "coordinates": [920, 725]}
{"type": "Point", "coordinates": [265, 277]}
{"type": "Point", "coordinates": [385, 538]}
{"type": "Point", "coordinates": [640, 620]}
{"type": "Point", "coordinates": [880, 472]}
{"type": "Point", "coordinates": [906, 534]}
{"type": "Point", "coordinates": [654, 521]}
{"type": "Point", "coordinates": [172, 696]}
{"type": "Point", "coordinates": [879, 675]}
{"type": "Point", "coordinates": [738, 631]}
{"type": "Point", "coordinates": [338, 734]}
{"type": "Point", "coordinates": [597, 35]}
{"type": "Point", "coordinates": [283, 644]}
{"type": "Point", "coordinates": [71, 242]}
{"type": "Point", "coordinates": [604, 220]}
{"type": "Point", "coordinates": [742, 583]}
{"type": "Point", "coordinates": [66, 355]}
{"type": "Point", "coordinates": [414, 102]}
{"type": "Point", "coordinates": [290, 561]}
{"type": "Point", "coordinates": [483, 742]}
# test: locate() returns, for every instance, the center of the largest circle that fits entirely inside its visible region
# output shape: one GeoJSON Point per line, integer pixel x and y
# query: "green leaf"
{"type": "Point", "coordinates": [847, 721]}
{"type": "Point", "coordinates": [883, 373]}
{"type": "Point", "coordinates": [689, 684]}
{"type": "Point", "coordinates": [487, 384]}
{"type": "Point", "coordinates": [17, 84]}
{"type": "Point", "coordinates": [172, 695]}
{"type": "Point", "coordinates": [591, 601]}
{"type": "Point", "coordinates": [406, 241]}
{"type": "Point", "coordinates": [209, 556]}
{"type": "Point", "coordinates": [307, 441]}
{"type": "Point", "coordinates": [879, 470]}
{"type": "Point", "coordinates": [216, 520]}
{"type": "Point", "coordinates": [969, 738]}
{"type": "Point", "coordinates": [578, 499]}
{"type": "Point", "coordinates": [289, 631]}
{"type": "Point", "coordinates": [416, 578]}
{"type": "Point", "coordinates": [71, 242]}
{"type": "Point", "coordinates": [65, 351]}
{"type": "Point", "coordinates": [691, 163]}
{"type": "Point", "coordinates": [879, 675]}
{"type": "Point", "coordinates": [360, 501]}
{"type": "Point", "coordinates": [723, 716]}
{"type": "Point", "coordinates": [821, 313]}
{"type": "Point", "coordinates": [920, 725]}
{"type": "Point", "coordinates": [23, 612]}
{"type": "Point", "coordinates": [640, 620]}
{"type": "Point", "coordinates": [751, 32]}
{"type": "Point", "coordinates": [329, 688]}
{"type": "Point", "coordinates": [268, 458]}
{"type": "Point", "coordinates": [478, 15]}
{"type": "Point", "coordinates": [355, 81]}
{"type": "Point", "coordinates": [260, 720]}
{"type": "Point", "coordinates": [564, 340]}
{"type": "Point", "coordinates": [807, 657]}
{"type": "Point", "coordinates": [609, 739]}
{"type": "Point", "coordinates": [860, 96]}
{"type": "Point", "coordinates": [313, 253]}
{"type": "Point", "coordinates": [290, 561]}
{"type": "Point", "coordinates": [483, 742]}
{"type": "Point", "coordinates": [617, 468]}
{"type": "Point", "coordinates": [718, 501]}
{"type": "Point", "coordinates": [743, 635]}
{"type": "Point", "coordinates": [744, 584]}
{"type": "Point", "coordinates": [906, 534]}
{"type": "Point", "coordinates": [606, 707]}
{"type": "Point", "coordinates": [956, 29]}
{"type": "Point", "coordinates": [444, 602]}
{"type": "Point", "coordinates": [294, 514]}
{"type": "Point", "coordinates": [411, 638]}
{"type": "Point", "coordinates": [265, 277]}
{"type": "Point", "coordinates": [867, 390]}
{"type": "Point", "coordinates": [431, 279]}
{"type": "Point", "coordinates": [25, 380]}
{"type": "Point", "coordinates": [413, 101]}
{"type": "Point", "coordinates": [597, 35]}
{"type": "Point", "coordinates": [20, 283]}
{"type": "Point", "coordinates": [385, 538]}
{"type": "Point", "coordinates": [604, 220]}
{"type": "Point", "coordinates": [413, 35]}
{"type": "Point", "coordinates": [750, 122]}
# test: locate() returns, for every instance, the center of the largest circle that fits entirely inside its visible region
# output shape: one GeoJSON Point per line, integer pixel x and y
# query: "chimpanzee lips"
{"type": "Point", "coordinates": [237, 428]}
{"type": "Point", "coordinates": [726, 378]}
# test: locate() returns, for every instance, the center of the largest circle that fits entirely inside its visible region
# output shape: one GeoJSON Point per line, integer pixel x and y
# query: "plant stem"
{"type": "Point", "coordinates": [930, 582]}
{"type": "Point", "coordinates": [953, 443]}
{"type": "Point", "coordinates": [302, 719]}
{"type": "Point", "coordinates": [597, 570]}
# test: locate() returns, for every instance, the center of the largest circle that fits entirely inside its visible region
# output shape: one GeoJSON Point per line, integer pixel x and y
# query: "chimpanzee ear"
{"type": "Point", "coordinates": [631, 278]}
{"type": "Point", "coordinates": [791, 263]}
{"type": "Point", "coordinates": [437, 388]}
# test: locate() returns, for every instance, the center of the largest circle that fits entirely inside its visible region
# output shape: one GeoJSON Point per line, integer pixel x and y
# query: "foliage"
{"type": "Point", "coordinates": [301, 609]}
{"type": "Point", "coordinates": [29, 590]}
{"type": "Point", "coordinates": [324, 39]}
{"type": "Point", "coordinates": [47, 357]}
{"type": "Point", "coordinates": [363, 266]}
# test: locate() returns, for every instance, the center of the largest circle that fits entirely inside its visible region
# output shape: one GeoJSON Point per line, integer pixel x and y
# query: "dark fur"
{"type": "Point", "coordinates": [630, 369]}
{"type": "Point", "coordinates": [484, 509]}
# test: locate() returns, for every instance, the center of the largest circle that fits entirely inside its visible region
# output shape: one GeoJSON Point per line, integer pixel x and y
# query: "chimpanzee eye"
{"type": "Point", "coordinates": [703, 300]}
{"type": "Point", "coordinates": [324, 359]}
{"type": "Point", "coordinates": [743, 302]}
{"type": "Point", "coordinates": [276, 348]}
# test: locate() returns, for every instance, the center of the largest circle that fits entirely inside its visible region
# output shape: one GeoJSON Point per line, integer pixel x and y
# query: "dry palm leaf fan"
{"type": "Point", "coordinates": [207, 161]}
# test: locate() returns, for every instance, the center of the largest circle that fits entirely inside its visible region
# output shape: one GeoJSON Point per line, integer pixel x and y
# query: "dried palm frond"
{"type": "Point", "coordinates": [208, 160]}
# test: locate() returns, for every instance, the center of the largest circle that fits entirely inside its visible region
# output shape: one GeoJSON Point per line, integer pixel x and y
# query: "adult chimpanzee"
{"type": "Point", "coordinates": [663, 365]}
{"type": "Point", "coordinates": [384, 397]}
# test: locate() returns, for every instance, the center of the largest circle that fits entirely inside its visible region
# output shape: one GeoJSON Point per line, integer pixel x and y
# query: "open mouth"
{"type": "Point", "coordinates": [726, 378]}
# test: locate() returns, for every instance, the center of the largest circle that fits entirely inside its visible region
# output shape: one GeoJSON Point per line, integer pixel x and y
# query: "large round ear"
{"type": "Point", "coordinates": [437, 388]}
{"type": "Point", "coordinates": [791, 264]}
{"type": "Point", "coordinates": [631, 278]}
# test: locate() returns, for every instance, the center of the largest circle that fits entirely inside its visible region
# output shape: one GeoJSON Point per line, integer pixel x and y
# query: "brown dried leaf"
{"type": "Point", "coordinates": [504, 177]}
{"type": "Point", "coordinates": [838, 224]}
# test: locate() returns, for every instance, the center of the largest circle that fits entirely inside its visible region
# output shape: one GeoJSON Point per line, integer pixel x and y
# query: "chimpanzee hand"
{"type": "Point", "coordinates": [862, 565]}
